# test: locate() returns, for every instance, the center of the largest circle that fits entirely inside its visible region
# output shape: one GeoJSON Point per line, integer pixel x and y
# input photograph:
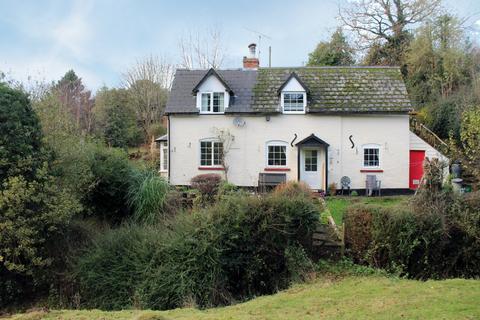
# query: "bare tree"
{"type": "Point", "coordinates": [202, 51]}
{"type": "Point", "coordinates": [375, 20]}
{"type": "Point", "coordinates": [148, 82]}
{"type": "Point", "coordinates": [226, 138]}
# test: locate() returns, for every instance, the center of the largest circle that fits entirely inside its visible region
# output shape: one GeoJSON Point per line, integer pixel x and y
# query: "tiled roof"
{"type": "Point", "coordinates": [181, 99]}
{"type": "Point", "coordinates": [331, 89]}
{"type": "Point", "coordinates": [337, 89]}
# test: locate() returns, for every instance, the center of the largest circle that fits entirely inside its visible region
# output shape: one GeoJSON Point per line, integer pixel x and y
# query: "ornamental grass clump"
{"type": "Point", "coordinates": [148, 196]}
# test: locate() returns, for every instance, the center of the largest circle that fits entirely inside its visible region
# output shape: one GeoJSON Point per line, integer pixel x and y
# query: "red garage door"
{"type": "Point", "coordinates": [416, 168]}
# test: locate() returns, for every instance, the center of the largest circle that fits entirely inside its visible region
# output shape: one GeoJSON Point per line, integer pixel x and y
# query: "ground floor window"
{"type": "Point", "coordinates": [211, 153]}
{"type": "Point", "coordinates": [164, 157]}
{"type": "Point", "coordinates": [371, 156]}
{"type": "Point", "coordinates": [276, 154]}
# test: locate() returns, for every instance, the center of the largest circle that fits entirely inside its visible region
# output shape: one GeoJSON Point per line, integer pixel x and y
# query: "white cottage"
{"type": "Point", "coordinates": [312, 124]}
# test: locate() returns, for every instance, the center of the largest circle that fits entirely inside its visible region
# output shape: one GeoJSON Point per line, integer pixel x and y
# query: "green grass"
{"type": "Point", "coordinates": [338, 204]}
{"type": "Point", "coordinates": [352, 297]}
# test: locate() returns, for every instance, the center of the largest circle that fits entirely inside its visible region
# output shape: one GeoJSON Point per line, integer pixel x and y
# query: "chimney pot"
{"type": "Point", "coordinates": [251, 62]}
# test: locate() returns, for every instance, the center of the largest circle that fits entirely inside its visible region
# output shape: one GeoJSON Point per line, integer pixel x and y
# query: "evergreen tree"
{"type": "Point", "coordinates": [336, 52]}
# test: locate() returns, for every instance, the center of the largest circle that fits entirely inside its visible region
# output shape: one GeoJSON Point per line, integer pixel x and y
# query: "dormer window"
{"type": "Point", "coordinates": [293, 95]}
{"type": "Point", "coordinates": [212, 93]}
{"type": "Point", "coordinates": [213, 102]}
{"type": "Point", "coordinates": [293, 102]}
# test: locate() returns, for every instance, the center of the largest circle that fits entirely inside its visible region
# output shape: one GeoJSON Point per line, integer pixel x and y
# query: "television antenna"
{"type": "Point", "coordinates": [260, 36]}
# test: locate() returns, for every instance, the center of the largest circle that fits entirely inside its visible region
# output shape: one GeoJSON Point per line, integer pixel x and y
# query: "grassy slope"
{"type": "Point", "coordinates": [350, 298]}
{"type": "Point", "coordinates": [338, 205]}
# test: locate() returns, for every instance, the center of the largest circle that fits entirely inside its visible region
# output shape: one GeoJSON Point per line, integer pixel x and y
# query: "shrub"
{"type": "Point", "coordinates": [238, 248]}
{"type": "Point", "coordinates": [207, 184]}
{"type": "Point", "coordinates": [439, 240]}
{"type": "Point", "coordinates": [111, 170]}
{"type": "Point", "coordinates": [31, 214]}
{"type": "Point", "coordinates": [110, 270]}
{"type": "Point", "coordinates": [147, 194]}
{"type": "Point", "coordinates": [293, 189]}
{"type": "Point", "coordinates": [358, 232]}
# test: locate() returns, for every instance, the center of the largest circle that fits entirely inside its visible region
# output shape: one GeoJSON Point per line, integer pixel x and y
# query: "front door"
{"type": "Point", "coordinates": [416, 168]}
{"type": "Point", "coordinates": [311, 171]}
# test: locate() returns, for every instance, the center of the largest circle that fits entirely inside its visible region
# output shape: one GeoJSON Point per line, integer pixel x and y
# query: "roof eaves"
{"type": "Point", "coordinates": [293, 75]}
{"type": "Point", "coordinates": [212, 72]}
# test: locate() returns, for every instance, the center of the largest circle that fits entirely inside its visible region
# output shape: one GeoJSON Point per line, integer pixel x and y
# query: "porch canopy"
{"type": "Point", "coordinates": [312, 141]}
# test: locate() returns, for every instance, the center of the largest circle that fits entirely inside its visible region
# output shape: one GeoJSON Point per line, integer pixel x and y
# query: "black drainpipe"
{"type": "Point", "coordinates": [326, 169]}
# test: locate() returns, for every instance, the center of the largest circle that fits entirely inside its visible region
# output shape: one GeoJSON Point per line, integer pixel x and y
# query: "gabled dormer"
{"type": "Point", "coordinates": [212, 93]}
{"type": "Point", "coordinates": [293, 95]}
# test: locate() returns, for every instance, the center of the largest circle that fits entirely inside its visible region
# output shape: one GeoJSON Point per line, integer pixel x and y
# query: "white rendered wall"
{"type": "Point", "coordinates": [247, 155]}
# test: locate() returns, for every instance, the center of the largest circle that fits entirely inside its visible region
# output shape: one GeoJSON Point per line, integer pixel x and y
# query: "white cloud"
{"type": "Point", "coordinates": [74, 33]}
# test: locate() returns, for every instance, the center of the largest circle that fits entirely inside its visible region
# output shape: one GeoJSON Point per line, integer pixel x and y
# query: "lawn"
{"type": "Point", "coordinates": [338, 204]}
{"type": "Point", "coordinates": [373, 297]}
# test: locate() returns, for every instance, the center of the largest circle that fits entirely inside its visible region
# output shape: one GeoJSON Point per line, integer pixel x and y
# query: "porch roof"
{"type": "Point", "coordinates": [312, 141]}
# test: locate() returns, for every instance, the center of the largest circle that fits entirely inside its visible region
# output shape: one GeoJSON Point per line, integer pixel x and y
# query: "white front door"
{"type": "Point", "coordinates": [311, 167]}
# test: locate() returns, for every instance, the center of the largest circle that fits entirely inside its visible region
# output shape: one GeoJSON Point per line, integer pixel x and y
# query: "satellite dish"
{"type": "Point", "coordinates": [239, 122]}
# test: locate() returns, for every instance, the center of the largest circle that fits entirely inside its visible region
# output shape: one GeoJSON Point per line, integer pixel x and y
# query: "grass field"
{"type": "Point", "coordinates": [338, 204]}
{"type": "Point", "coordinates": [373, 297]}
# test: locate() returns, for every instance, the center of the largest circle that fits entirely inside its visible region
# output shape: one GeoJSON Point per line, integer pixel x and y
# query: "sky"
{"type": "Point", "coordinates": [101, 39]}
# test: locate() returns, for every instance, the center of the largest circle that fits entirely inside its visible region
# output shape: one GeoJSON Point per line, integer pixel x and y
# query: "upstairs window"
{"type": "Point", "coordinates": [213, 102]}
{"type": "Point", "coordinates": [211, 153]}
{"type": "Point", "coordinates": [371, 156]}
{"type": "Point", "coordinates": [293, 102]}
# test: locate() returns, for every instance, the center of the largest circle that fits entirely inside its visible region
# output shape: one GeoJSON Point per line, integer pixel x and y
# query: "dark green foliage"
{"type": "Point", "coordinates": [115, 118]}
{"type": "Point", "coordinates": [112, 172]}
{"type": "Point", "coordinates": [436, 236]}
{"type": "Point", "coordinates": [336, 52]}
{"type": "Point", "coordinates": [111, 269]}
{"type": "Point", "coordinates": [20, 135]}
{"type": "Point", "coordinates": [238, 248]}
{"type": "Point", "coordinates": [33, 207]}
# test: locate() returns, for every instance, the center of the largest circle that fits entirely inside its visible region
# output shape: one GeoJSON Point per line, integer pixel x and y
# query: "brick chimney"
{"type": "Point", "coordinates": [251, 62]}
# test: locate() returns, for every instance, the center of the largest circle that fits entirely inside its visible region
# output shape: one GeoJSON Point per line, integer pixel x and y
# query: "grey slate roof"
{"type": "Point", "coordinates": [332, 89]}
{"type": "Point", "coordinates": [181, 99]}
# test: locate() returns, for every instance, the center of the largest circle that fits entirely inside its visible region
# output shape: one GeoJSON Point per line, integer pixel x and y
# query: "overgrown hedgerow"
{"type": "Point", "coordinates": [433, 237]}
{"type": "Point", "coordinates": [236, 249]}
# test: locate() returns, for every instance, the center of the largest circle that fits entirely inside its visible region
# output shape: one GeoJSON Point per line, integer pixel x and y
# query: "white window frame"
{"type": "Point", "coordinates": [282, 102]}
{"type": "Point", "coordinates": [273, 143]}
{"type": "Point", "coordinates": [163, 157]}
{"type": "Point", "coordinates": [372, 146]}
{"type": "Point", "coordinates": [213, 165]}
{"type": "Point", "coordinates": [211, 93]}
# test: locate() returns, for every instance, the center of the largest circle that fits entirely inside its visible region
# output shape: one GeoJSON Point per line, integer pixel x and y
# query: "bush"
{"type": "Point", "coordinates": [293, 189]}
{"type": "Point", "coordinates": [207, 184]}
{"type": "Point", "coordinates": [437, 239]}
{"type": "Point", "coordinates": [236, 249]}
{"type": "Point", "coordinates": [358, 232]}
{"type": "Point", "coordinates": [147, 194]}
{"type": "Point", "coordinates": [109, 271]}
{"type": "Point", "coordinates": [107, 199]}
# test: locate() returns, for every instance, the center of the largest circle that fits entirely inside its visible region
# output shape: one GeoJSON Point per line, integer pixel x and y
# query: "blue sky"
{"type": "Point", "coordinates": [101, 39]}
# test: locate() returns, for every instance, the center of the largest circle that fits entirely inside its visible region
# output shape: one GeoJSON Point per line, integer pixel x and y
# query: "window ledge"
{"type": "Point", "coordinates": [371, 170]}
{"type": "Point", "coordinates": [211, 168]}
{"type": "Point", "coordinates": [277, 169]}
